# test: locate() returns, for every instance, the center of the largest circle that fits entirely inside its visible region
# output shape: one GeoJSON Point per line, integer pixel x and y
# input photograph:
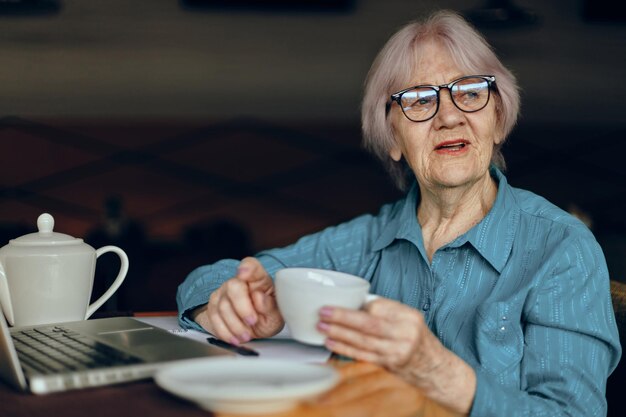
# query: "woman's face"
{"type": "Point", "coordinates": [454, 148]}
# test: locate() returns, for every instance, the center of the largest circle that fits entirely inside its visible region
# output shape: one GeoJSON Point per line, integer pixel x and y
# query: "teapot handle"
{"type": "Point", "coordinates": [118, 280]}
{"type": "Point", "coordinates": [5, 297]}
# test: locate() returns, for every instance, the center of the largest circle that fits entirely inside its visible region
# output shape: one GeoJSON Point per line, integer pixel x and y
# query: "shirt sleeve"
{"type": "Point", "coordinates": [571, 343]}
{"type": "Point", "coordinates": [344, 248]}
{"type": "Point", "coordinates": [198, 286]}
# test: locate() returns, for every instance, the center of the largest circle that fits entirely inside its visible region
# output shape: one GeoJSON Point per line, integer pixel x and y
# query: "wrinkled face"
{"type": "Point", "coordinates": [454, 148]}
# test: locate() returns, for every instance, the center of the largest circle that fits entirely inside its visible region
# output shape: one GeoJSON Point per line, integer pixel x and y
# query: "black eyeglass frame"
{"type": "Point", "coordinates": [397, 97]}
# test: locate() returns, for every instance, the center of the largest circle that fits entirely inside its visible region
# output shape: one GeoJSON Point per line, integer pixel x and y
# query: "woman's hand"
{"type": "Point", "coordinates": [396, 337]}
{"type": "Point", "coordinates": [244, 307]}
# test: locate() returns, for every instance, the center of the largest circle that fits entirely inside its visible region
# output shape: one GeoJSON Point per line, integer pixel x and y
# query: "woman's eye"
{"type": "Point", "coordinates": [425, 101]}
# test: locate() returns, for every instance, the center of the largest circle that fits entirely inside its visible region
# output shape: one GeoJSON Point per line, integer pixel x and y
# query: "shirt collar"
{"type": "Point", "coordinates": [403, 222]}
{"type": "Point", "coordinates": [492, 237]}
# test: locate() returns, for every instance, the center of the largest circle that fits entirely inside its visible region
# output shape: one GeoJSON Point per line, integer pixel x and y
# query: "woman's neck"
{"type": "Point", "coordinates": [446, 213]}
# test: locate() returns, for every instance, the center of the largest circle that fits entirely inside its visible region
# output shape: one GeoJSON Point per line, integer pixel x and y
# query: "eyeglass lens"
{"type": "Point", "coordinates": [468, 94]}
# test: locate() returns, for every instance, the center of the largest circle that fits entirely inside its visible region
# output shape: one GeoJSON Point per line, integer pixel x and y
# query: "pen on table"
{"type": "Point", "coordinates": [242, 350]}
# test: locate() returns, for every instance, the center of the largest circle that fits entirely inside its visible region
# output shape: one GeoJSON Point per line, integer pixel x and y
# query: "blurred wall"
{"type": "Point", "coordinates": [249, 118]}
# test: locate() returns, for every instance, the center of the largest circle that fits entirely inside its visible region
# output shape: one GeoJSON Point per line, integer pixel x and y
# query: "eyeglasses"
{"type": "Point", "coordinates": [421, 103]}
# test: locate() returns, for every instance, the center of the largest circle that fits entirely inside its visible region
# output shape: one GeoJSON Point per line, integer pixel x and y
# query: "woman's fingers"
{"type": "Point", "coordinates": [270, 320]}
{"type": "Point", "coordinates": [357, 344]}
{"type": "Point", "coordinates": [236, 326]}
{"type": "Point", "coordinates": [385, 333]}
{"type": "Point", "coordinates": [351, 351]}
{"type": "Point", "coordinates": [249, 313]}
{"type": "Point", "coordinates": [227, 310]}
{"type": "Point", "coordinates": [237, 291]}
{"type": "Point", "coordinates": [349, 324]}
{"type": "Point", "coordinates": [251, 271]}
{"type": "Point", "coordinates": [244, 306]}
{"type": "Point", "coordinates": [348, 338]}
{"type": "Point", "coordinates": [381, 323]}
{"type": "Point", "coordinates": [219, 328]}
{"type": "Point", "coordinates": [237, 294]}
{"type": "Point", "coordinates": [389, 309]}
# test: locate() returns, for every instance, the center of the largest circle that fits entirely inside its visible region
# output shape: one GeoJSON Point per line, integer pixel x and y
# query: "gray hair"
{"type": "Point", "coordinates": [395, 65]}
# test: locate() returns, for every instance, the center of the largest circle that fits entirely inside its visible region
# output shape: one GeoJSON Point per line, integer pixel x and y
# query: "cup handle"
{"type": "Point", "coordinates": [118, 280]}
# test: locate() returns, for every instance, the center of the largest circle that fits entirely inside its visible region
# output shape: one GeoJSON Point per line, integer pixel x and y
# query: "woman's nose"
{"type": "Point", "coordinates": [448, 114]}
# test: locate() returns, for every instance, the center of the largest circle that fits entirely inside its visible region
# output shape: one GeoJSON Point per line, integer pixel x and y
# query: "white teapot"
{"type": "Point", "coordinates": [47, 277]}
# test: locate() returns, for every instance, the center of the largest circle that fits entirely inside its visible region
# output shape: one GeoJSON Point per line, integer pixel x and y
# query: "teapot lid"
{"type": "Point", "coordinates": [45, 236]}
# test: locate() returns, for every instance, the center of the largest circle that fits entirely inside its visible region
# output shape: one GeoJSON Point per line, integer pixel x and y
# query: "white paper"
{"type": "Point", "coordinates": [281, 346]}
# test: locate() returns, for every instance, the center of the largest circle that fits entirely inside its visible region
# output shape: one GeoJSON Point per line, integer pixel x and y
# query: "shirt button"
{"type": "Point", "coordinates": [426, 306]}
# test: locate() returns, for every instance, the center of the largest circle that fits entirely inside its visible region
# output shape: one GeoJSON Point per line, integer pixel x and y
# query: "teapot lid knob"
{"type": "Point", "coordinates": [45, 223]}
{"type": "Point", "coordinates": [45, 236]}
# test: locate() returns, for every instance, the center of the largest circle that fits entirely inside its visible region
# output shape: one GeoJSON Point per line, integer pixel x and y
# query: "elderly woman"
{"type": "Point", "coordinates": [494, 301]}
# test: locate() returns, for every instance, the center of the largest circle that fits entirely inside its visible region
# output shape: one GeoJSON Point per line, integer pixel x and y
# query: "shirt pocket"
{"type": "Point", "coordinates": [499, 337]}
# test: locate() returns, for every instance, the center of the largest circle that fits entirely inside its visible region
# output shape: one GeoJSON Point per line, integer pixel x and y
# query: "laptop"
{"type": "Point", "coordinates": [63, 356]}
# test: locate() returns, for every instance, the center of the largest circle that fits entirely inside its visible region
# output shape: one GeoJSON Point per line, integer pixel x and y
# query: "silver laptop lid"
{"type": "Point", "coordinates": [152, 346]}
{"type": "Point", "coordinates": [10, 369]}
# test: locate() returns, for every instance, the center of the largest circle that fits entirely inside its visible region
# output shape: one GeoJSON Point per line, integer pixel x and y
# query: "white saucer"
{"type": "Point", "coordinates": [246, 385]}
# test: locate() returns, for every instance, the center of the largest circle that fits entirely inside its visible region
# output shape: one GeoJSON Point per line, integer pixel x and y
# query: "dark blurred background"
{"type": "Point", "coordinates": [187, 131]}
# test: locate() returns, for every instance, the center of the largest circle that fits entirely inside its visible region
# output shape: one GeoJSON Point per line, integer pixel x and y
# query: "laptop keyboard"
{"type": "Point", "coordinates": [57, 349]}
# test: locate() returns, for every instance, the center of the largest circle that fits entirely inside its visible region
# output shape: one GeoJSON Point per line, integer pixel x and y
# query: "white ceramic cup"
{"type": "Point", "coordinates": [302, 292]}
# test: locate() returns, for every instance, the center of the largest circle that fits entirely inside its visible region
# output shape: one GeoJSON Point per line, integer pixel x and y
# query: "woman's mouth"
{"type": "Point", "coordinates": [452, 146]}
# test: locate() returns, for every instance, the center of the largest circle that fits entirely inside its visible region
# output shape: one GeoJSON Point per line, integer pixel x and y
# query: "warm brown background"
{"type": "Point", "coordinates": [225, 130]}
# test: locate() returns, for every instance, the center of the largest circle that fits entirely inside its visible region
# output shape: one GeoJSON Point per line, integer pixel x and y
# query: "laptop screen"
{"type": "Point", "coordinates": [10, 370]}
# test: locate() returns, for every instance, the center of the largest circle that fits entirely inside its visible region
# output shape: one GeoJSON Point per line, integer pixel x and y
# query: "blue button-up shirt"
{"type": "Point", "coordinates": [523, 297]}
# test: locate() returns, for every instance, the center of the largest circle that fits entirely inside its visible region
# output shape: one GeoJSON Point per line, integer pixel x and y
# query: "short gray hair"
{"type": "Point", "coordinates": [395, 65]}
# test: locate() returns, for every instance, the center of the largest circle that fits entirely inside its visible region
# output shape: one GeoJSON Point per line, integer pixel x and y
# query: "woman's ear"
{"type": "Point", "coordinates": [500, 136]}
{"type": "Point", "coordinates": [499, 128]}
{"type": "Point", "coordinates": [395, 153]}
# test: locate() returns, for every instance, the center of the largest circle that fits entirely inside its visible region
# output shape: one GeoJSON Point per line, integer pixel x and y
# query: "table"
{"type": "Point", "coordinates": [365, 390]}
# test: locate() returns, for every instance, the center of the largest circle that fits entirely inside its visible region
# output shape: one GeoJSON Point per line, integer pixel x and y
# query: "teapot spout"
{"type": "Point", "coordinates": [5, 297]}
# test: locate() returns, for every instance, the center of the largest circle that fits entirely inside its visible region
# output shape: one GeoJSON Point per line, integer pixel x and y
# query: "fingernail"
{"type": "Point", "coordinates": [330, 343]}
{"type": "Point", "coordinates": [323, 326]}
{"type": "Point", "coordinates": [234, 341]}
{"type": "Point", "coordinates": [326, 311]}
{"type": "Point", "coordinates": [242, 269]}
{"type": "Point", "coordinates": [244, 337]}
{"type": "Point", "coordinates": [251, 320]}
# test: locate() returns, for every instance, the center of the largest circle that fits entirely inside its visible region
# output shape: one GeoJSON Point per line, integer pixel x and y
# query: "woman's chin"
{"type": "Point", "coordinates": [453, 177]}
